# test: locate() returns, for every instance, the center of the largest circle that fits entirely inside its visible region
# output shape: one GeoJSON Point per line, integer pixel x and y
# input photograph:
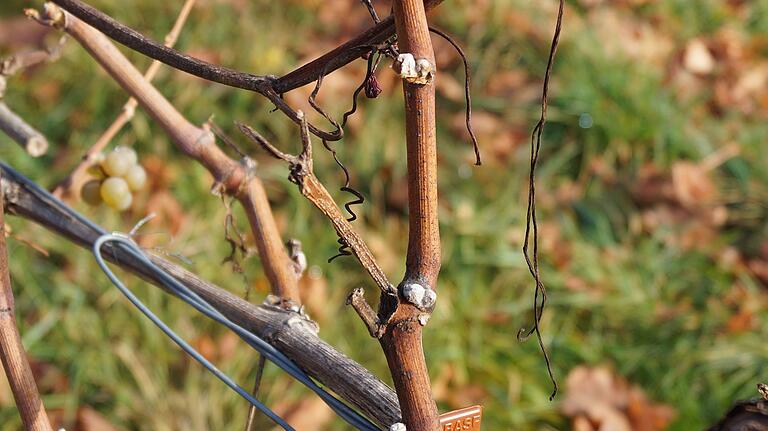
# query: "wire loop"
{"type": "Point", "coordinates": [198, 303]}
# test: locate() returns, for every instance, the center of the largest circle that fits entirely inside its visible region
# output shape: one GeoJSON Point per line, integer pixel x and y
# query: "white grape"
{"type": "Point", "coordinates": [90, 192]}
{"type": "Point", "coordinates": [117, 163]}
{"type": "Point", "coordinates": [96, 171]}
{"type": "Point", "coordinates": [136, 177]}
{"type": "Point", "coordinates": [128, 153]}
{"type": "Point", "coordinates": [124, 203]}
{"type": "Point", "coordinates": [114, 191]}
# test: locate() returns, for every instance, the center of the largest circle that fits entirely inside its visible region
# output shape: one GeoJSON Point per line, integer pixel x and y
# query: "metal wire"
{"type": "Point", "coordinates": [175, 337]}
{"type": "Point", "coordinates": [173, 285]}
{"type": "Point", "coordinates": [190, 297]}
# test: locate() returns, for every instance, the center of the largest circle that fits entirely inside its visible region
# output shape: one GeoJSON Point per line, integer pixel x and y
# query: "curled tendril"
{"type": "Point", "coordinates": [467, 92]}
{"type": "Point", "coordinates": [373, 61]}
{"type": "Point", "coordinates": [359, 198]}
{"type": "Point", "coordinates": [236, 240]}
{"type": "Point", "coordinates": [348, 205]}
{"type": "Point", "coordinates": [346, 187]}
{"type": "Point", "coordinates": [343, 250]}
{"type": "Point", "coordinates": [532, 260]}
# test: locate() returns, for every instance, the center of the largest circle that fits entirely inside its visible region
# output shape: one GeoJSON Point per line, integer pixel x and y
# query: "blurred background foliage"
{"type": "Point", "coordinates": [652, 196]}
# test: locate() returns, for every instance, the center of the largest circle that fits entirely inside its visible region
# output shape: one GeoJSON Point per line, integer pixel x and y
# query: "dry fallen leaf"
{"type": "Point", "coordinates": [652, 187]}
{"type": "Point", "coordinates": [599, 400]}
{"type": "Point", "coordinates": [644, 415]}
{"type": "Point", "coordinates": [695, 235]}
{"type": "Point", "coordinates": [498, 140]}
{"type": "Point", "coordinates": [742, 73]}
{"type": "Point", "coordinates": [751, 82]}
{"type": "Point", "coordinates": [697, 58]}
{"type": "Point", "coordinates": [506, 83]}
{"type": "Point", "coordinates": [693, 184]}
{"type": "Point", "coordinates": [687, 200]}
{"type": "Point", "coordinates": [622, 34]}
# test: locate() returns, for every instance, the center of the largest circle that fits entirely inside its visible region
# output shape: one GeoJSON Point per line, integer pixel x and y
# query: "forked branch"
{"type": "Point", "coordinates": [401, 341]}
{"type": "Point", "coordinates": [75, 178]}
{"type": "Point", "coordinates": [287, 331]}
{"type": "Point", "coordinates": [268, 86]}
{"type": "Point", "coordinates": [310, 72]}
{"type": "Point", "coordinates": [140, 43]}
{"type": "Point", "coordinates": [343, 54]}
{"type": "Point", "coordinates": [302, 174]}
{"type": "Point", "coordinates": [232, 177]}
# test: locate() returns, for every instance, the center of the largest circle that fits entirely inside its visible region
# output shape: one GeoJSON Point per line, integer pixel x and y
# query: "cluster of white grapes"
{"type": "Point", "coordinates": [116, 175]}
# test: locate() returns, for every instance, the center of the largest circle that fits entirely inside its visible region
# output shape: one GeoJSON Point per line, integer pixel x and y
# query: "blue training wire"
{"type": "Point", "coordinates": [126, 245]}
{"type": "Point", "coordinates": [178, 340]}
{"type": "Point", "coordinates": [184, 293]}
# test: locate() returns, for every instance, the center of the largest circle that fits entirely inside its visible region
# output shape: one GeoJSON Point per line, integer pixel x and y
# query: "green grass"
{"type": "Point", "coordinates": [655, 312]}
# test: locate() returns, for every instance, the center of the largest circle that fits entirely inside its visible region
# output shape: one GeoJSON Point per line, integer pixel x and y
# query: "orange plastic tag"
{"type": "Point", "coordinates": [466, 419]}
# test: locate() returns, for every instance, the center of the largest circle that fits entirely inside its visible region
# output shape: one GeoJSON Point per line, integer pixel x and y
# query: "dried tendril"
{"type": "Point", "coordinates": [540, 295]}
